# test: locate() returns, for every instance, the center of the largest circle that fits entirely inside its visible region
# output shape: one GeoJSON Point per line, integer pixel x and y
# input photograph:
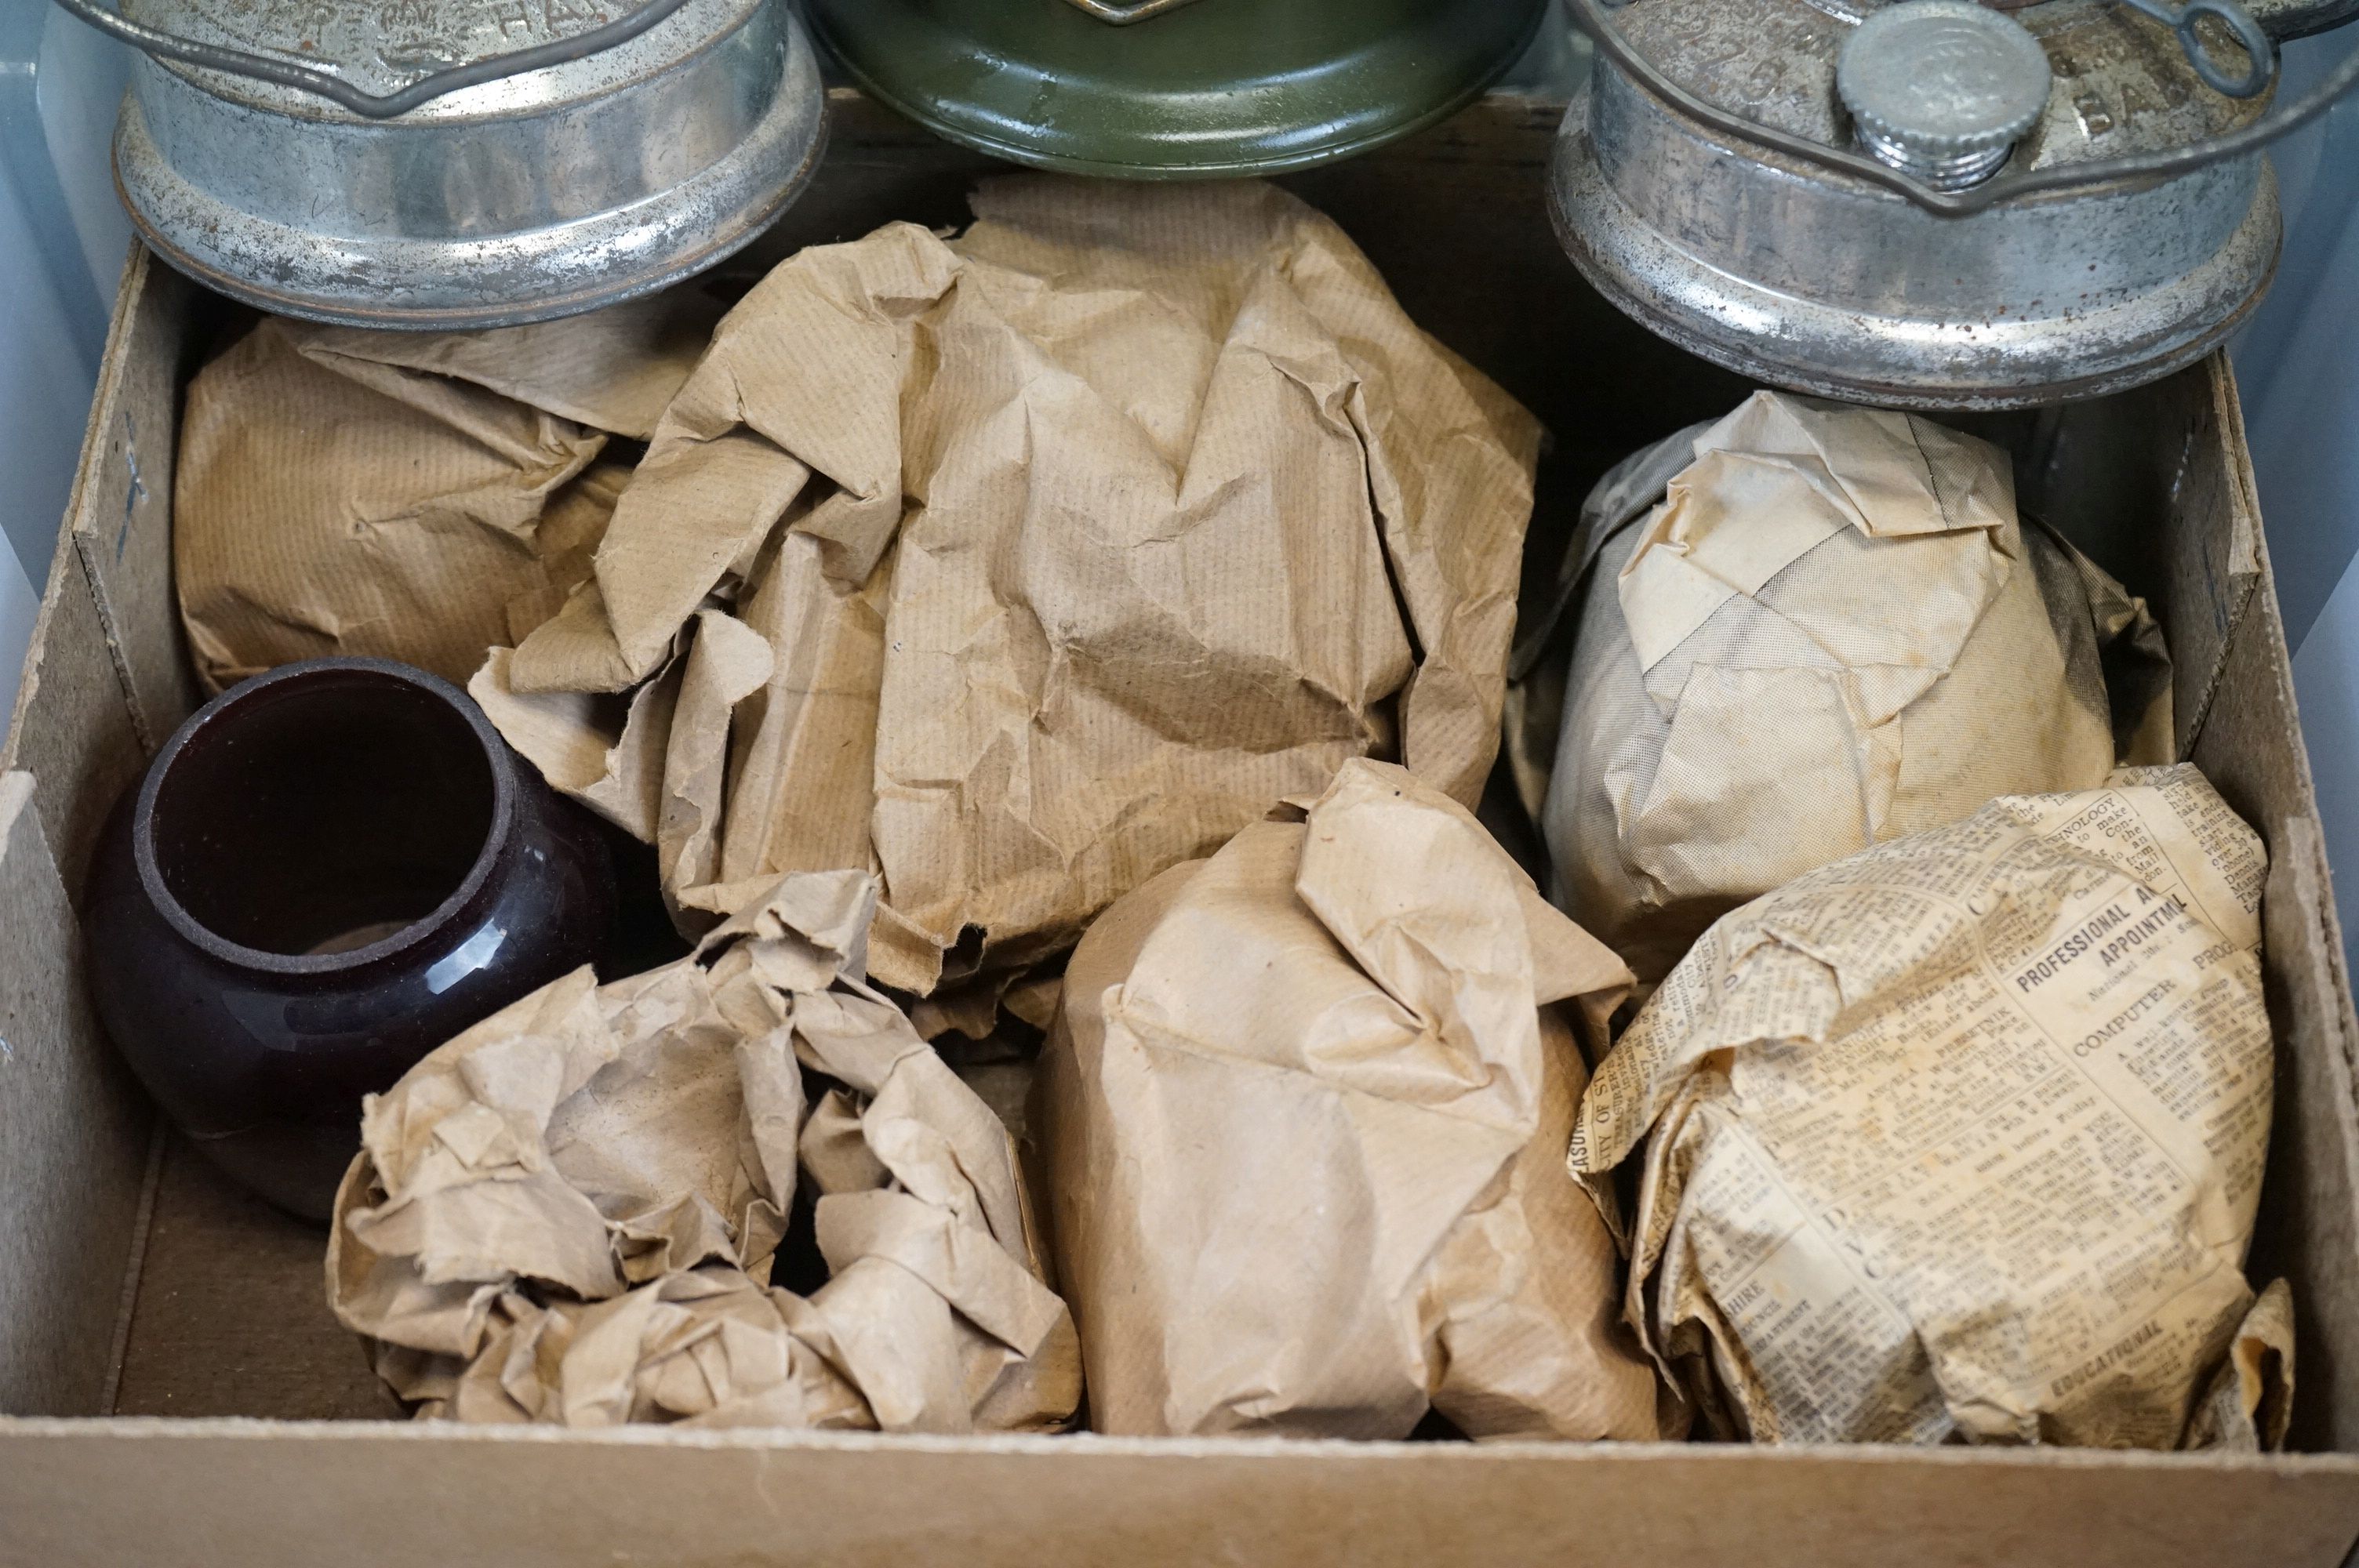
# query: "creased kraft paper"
{"type": "Point", "coordinates": [1302, 1119]}
{"type": "Point", "coordinates": [569, 1213]}
{"type": "Point", "coordinates": [1960, 1137]}
{"type": "Point", "coordinates": [1021, 565]}
{"type": "Point", "coordinates": [1833, 629]}
{"type": "Point", "coordinates": [421, 496]}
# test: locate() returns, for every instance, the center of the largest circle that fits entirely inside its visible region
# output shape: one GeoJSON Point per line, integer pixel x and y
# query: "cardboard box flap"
{"type": "Point", "coordinates": [524, 1498]}
{"type": "Point", "coordinates": [73, 1142]}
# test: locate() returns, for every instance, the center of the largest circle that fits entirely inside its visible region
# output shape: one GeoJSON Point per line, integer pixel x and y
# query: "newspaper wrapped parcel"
{"type": "Point", "coordinates": [1960, 1137]}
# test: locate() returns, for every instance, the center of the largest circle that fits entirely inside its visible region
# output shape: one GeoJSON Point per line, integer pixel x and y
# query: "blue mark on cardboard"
{"type": "Point", "coordinates": [137, 492]}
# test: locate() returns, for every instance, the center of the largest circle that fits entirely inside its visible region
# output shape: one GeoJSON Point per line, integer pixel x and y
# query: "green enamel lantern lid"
{"type": "Point", "coordinates": [1175, 89]}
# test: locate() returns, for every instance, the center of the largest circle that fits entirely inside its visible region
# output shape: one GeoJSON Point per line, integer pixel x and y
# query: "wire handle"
{"type": "Point", "coordinates": [1123, 13]}
{"type": "Point", "coordinates": [2261, 50]}
{"type": "Point", "coordinates": [373, 105]}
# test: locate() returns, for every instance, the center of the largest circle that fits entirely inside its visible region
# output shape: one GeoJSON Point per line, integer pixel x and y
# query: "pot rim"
{"type": "Point", "coordinates": [505, 789]}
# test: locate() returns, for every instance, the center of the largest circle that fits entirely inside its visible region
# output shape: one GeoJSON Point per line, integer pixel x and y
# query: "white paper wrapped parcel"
{"type": "Point", "coordinates": [569, 1212]}
{"type": "Point", "coordinates": [1961, 1138]}
{"type": "Point", "coordinates": [1832, 630]}
{"type": "Point", "coordinates": [1302, 1120]}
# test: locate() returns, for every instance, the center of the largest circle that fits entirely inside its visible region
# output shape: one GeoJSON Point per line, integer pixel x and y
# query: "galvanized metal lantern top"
{"type": "Point", "coordinates": [380, 45]}
{"type": "Point", "coordinates": [531, 196]}
{"type": "Point", "coordinates": [1175, 89]}
{"type": "Point", "coordinates": [1815, 279]}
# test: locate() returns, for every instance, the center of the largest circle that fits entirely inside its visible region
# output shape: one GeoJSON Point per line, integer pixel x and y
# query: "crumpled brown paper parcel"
{"type": "Point", "coordinates": [1301, 1121]}
{"type": "Point", "coordinates": [1021, 565]}
{"type": "Point", "coordinates": [1832, 630]}
{"type": "Point", "coordinates": [569, 1214]}
{"type": "Point", "coordinates": [1961, 1138]}
{"type": "Point", "coordinates": [421, 496]}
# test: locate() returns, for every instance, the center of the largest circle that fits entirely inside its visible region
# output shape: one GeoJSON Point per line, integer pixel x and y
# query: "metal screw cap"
{"type": "Point", "coordinates": [1942, 88]}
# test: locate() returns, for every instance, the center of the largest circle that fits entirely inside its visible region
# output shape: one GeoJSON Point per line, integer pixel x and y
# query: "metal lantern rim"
{"type": "Point", "coordinates": [2022, 362]}
{"type": "Point", "coordinates": [213, 187]}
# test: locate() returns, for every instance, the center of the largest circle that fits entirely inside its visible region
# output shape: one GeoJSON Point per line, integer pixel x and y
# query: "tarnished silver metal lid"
{"type": "Point", "coordinates": [1828, 282]}
{"type": "Point", "coordinates": [1943, 89]}
{"type": "Point", "coordinates": [537, 195]}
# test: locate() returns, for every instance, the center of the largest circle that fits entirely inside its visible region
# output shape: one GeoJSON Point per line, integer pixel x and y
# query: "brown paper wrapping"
{"type": "Point", "coordinates": [415, 496]}
{"type": "Point", "coordinates": [1960, 1137]}
{"type": "Point", "coordinates": [1301, 1120]}
{"type": "Point", "coordinates": [1021, 565]}
{"type": "Point", "coordinates": [569, 1214]}
{"type": "Point", "coordinates": [1832, 630]}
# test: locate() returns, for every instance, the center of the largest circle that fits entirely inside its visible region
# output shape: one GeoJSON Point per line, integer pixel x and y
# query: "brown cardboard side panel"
{"type": "Point", "coordinates": [2100, 470]}
{"type": "Point", "coordinates": [2248, 742]}
{"type": "Point", "coordinates": [2215, 585]}
{"type": "Point", "coordinates": [259, 1496]}
{"type": "Point", "coordinates": [122, 516]}
{"type": "Point", "coordinates": [2307, 1228]}
{"type": "Point", "coordinates": [73, 729]}
{"type": "Point", "coordinates": [78, 727]}
{"type": "Point", "coordinates": [2154, 485]}
{"type": "Point", "coordinates": [2306, 1231]}
{"type": "Point", "coordinates": [72, 1141]}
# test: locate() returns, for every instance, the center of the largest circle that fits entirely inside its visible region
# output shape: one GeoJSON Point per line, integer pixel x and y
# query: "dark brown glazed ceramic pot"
{"type": "Point", "coordinates": [327, 872]}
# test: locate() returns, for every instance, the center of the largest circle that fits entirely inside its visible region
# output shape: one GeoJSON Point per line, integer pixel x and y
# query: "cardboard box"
{"type": "Point", "coordinates": [176, 1391]}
